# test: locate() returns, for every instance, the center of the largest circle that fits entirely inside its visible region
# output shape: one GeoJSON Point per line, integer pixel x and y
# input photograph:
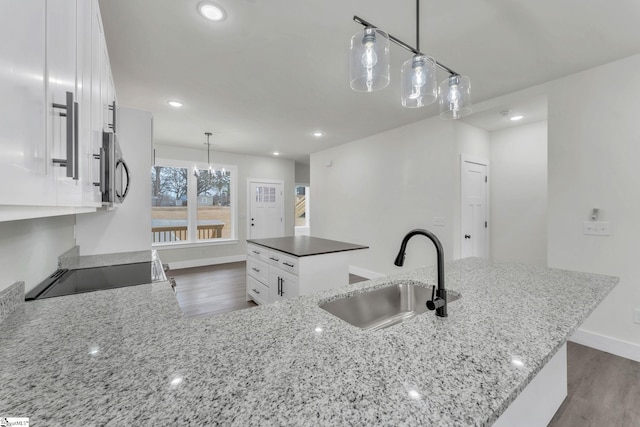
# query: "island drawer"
{"type": "Point", "coordinates": [258, 252]}
{"type": "Point", "coordinates": [289, 264]}
{"type": "Point", "coordinates": [257, 290]}
{"type": "Point", "coordinates": [258, 269]}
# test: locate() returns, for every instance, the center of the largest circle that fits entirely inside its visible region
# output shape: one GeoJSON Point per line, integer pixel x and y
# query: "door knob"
{"type": "Point", "coordinates": [467, 236]}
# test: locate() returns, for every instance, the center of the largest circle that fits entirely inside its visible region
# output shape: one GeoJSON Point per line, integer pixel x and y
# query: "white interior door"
{"type": "Point", "coordinates": [474, 227]}
{"type": "Point", "coordinates": [266, 209]}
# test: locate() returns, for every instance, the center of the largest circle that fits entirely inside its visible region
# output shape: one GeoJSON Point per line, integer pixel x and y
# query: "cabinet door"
{"type": "Point", "coordinates": [84, 93]}
{"type": "Point", "coordinates": [282, 285]}
{"type": "Point", "coordinates": [25, 168]}
{"type": "Point", "coordinates": [97, 58]}
{"type": "Point", "coordinates": [61, 80]}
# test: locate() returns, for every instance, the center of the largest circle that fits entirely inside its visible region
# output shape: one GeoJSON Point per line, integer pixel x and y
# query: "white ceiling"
{"type": "Point", "coordinates": [276, 70]}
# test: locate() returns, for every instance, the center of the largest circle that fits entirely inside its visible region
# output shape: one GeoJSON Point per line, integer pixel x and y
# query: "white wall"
{"type": "Point", "coordinates": [594, 153]}
{"type": "Point", "coordinates": [248, 167]}
{"type": "Point", "coordinates": [380, 187]}
{"type": "Point", "coordinates": [127, 228]}
{"type": "Point", "coordinates": [302, 173]}
{"type": "Point", "coordinates": [29, 249]}
{"type": "Point", "coordinates": [518, 194]}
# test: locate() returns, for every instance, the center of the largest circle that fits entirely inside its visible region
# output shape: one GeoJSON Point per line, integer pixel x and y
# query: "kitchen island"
{"type": "Point", "coordinates": [285, 267]}
{"type": "Point", "coordinates": [129, 356]}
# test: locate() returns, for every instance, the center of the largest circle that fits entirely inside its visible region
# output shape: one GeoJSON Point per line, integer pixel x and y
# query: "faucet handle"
{"type": "Point", "coordinates": [435, 302]}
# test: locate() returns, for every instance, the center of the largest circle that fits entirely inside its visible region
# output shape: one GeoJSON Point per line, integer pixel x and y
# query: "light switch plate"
{"type": "Point", "coordinates": [603, 228]}
{"type": "Point", "coordinates": [589, 228]}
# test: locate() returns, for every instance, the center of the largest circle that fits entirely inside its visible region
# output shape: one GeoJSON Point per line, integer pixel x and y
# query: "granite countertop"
{"type": "Point", "coordinates": [302, 246]}
{"type": "Point", "coordinates": [128, 355]}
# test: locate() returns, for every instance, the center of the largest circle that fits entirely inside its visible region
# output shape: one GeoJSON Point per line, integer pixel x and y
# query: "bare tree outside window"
{"type": "Point", "coordinates": [214, 204]}
{"type": "Point", "coordinates": [169, 204]}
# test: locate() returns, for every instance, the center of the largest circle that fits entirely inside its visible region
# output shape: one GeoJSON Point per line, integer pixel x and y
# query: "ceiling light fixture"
{"type": "Point", "coordinates": [516, 118]}
{"type": "Point", "coordinates": [318, 134]}
{"type": "Point", "coordinates": [369, 71]}
{"type": "Point", "coordinates": [275, 153]}
{"type": "Point", "coordinates": [174, 103]}
{"type": "Point", "coordinates": [211, 11]}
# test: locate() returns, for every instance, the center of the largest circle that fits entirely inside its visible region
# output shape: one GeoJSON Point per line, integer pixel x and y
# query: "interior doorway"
{"type": "Point", "coordinates": [474, 227]}
{"type": "Point", "coordinates": [266, 209]}
{"type": "Point", "coordinates": [302, 210]}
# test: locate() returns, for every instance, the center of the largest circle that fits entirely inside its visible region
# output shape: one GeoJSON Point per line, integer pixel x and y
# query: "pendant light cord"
{"type": "Point", "coordinates": [417, 24]}
{"type": "Point", "coordinates": [208, 148]}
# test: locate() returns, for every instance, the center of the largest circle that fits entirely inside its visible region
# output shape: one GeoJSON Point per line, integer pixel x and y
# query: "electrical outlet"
{"type": "Point", "coordinates": [636, 315]}
{"type": "Point", "coordinates": [438, 220]}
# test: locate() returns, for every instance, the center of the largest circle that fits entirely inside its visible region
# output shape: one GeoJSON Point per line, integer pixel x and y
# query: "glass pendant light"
{"type": "Point", "coordinates": [455, 97]}
{"type": "Point", "coordinates": [418, 82]}
{"type": "Point", "coordinates": [369, 60]}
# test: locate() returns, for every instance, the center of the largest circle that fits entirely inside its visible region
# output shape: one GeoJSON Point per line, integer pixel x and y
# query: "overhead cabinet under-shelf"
{"type": "Point", "coordinates": [56, 90]}
{"type": "Point", "coordinates": [286, 267]}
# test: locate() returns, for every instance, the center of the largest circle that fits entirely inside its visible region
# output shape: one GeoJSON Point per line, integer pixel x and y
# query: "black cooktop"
{"type": "Point", "coordinates": [69, 282]}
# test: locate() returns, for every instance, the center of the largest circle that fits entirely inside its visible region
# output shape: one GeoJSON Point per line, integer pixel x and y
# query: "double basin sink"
{"type": "Point", "coordinates": [383, 307]}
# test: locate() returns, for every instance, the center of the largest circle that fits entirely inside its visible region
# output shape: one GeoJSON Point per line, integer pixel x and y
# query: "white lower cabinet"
{"type": "Point", "coordinates": [271, 275]}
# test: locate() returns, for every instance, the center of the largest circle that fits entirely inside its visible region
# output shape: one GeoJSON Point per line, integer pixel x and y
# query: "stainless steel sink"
{"type": "Point", "coordinates": [383, 307]}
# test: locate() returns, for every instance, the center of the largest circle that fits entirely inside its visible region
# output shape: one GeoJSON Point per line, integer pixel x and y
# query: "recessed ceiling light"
{"type": "Point", "coordinates": [516, 118]}
{"type": "Point", "coordinates": [211, 11]}
{"type": "Point", "coordinates": [176, 104]}
{"type": "Point", "coordinates": [275, 153]}
{"type": "Point", "coordinates": [318, 134]}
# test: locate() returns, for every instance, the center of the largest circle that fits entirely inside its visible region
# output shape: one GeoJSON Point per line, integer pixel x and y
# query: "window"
{"type": "Point", "coordinates": [192, 204]}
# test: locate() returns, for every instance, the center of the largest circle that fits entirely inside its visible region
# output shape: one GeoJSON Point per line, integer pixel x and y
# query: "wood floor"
{"type": "Point", "coordinates": [217, 289]}
{"type": "Point", "coordinates": [604, 390]}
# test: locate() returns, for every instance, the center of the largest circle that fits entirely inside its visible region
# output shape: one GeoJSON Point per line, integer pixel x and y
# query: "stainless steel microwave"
{"type": "Point", "coordinates": [115, 179]}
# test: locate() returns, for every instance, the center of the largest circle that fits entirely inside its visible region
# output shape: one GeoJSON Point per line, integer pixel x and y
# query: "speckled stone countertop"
{"type": "Point", "coordinates": [127, 356]}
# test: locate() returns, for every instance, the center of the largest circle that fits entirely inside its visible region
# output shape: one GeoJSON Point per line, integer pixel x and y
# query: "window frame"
{"type": "Point", "coordinates": [192, 204]}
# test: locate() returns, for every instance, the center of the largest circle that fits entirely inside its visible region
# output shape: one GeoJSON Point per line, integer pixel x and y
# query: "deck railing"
{"type": "Point", "coordinates": [179, 233]}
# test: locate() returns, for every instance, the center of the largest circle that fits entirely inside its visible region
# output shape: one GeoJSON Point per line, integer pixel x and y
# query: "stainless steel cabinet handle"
{"type": "Point", "coordinates": [255, 290]}
{"type": "Point", "coordinates": [288, 265]}
{"type": "Point", "coordinates": [274, 259]}
{"type": "Point", "coordinates": [256, 252]}
{"type": "Point", "coordinates": [76, 137]}
{"type": "Point", "coordinates": [70, 112]}
{"type": "Point", "coordinates": [257, 270]}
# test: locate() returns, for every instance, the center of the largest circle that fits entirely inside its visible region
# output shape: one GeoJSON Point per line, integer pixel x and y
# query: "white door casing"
{"type": "Point", "coordinates": [266, 209]}
{"type": "Point", "coordinates": [473, 204]}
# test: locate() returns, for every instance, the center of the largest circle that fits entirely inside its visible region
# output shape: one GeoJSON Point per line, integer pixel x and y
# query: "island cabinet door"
{"type": "Point", "coordinates": [282, 285]}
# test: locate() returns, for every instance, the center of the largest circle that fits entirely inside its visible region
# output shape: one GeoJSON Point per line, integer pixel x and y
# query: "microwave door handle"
{"type": "Point", "coordinates": [126, 172]}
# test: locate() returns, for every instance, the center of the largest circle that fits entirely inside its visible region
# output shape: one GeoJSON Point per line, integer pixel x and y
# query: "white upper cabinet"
{"type": "Point", "coordinates": [57, 90]}
{"type": "Point", "coordinates": [26, 176]}
{"type": "Point", "coordinates": [63, 102]}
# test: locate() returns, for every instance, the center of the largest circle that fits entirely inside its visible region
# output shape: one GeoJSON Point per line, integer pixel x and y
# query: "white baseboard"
{"type": "Point", "coordinates": [364, 273]}
{"type": "Point", "coordinates": [207, 261]}
{"type": "Point", "coordinates": [621, 348]}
